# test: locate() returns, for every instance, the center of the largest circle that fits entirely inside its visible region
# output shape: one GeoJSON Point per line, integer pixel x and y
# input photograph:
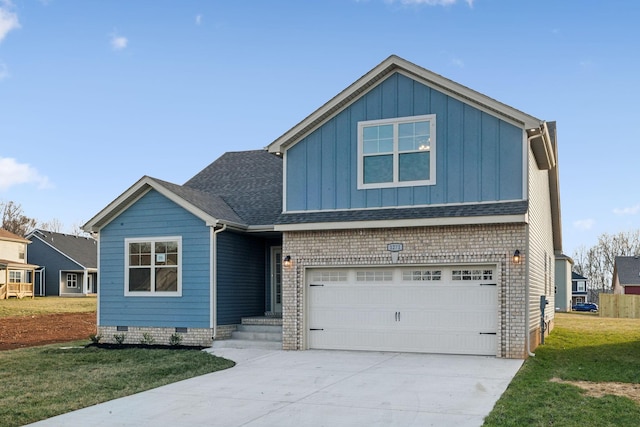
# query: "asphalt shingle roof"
{"type": "Point", "coordinates": [469, 210]}
{"type": "Point", "coordinates": [247, 182]}
{"type": "Point", "coordinates": [628, 269]}
{"type": "Point", "coordinates": [83, 250]}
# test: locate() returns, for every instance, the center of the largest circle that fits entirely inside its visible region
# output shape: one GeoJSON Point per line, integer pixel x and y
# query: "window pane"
{"type": "Point", "coordinates": [139, 280]}
{"type": "Point", "coordinates": [406, 143]}
{"type": "Point", "coordinates": [172, 259]}
{"type": "Point", "coordinates": [167, 279]}
{"type": "Point", "coordinates": [422, 128]}
{"type": "Point", "coordinates": [378, 169]}
{"type": "Point", "coordinates": [378, 139]}
{"type": "Point", "coordinates": [161, 247]}
{"type": "Point", "coordinates": [414, 166]}
{"type": "Point", "coordinates": [369, 147]}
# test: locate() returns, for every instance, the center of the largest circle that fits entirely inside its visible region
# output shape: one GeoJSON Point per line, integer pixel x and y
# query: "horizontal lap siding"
{"type": "Point", "coordinates": [478, 156]}
{"type": "Point", "coordinates": [241, 277]}
{"type": "Point", "coordinates": [45, 256]}
{"type": "Point", "coordinates": [153, 216]}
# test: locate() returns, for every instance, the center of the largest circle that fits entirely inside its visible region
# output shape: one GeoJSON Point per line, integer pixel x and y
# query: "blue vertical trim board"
{"type": "Point", "coordinates": [479, 158]}
{"type": "Point", "coordinates": [153, 215]}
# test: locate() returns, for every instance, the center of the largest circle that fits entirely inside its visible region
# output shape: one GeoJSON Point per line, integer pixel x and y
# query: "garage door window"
{"type": "Point", "coordinates": [374, 276]}
{"type": "Point", "coordinates": [419, 275]}
{"type": "Point", "coordinates": [330, 276]}
{"type": "Point", "coordinates": [479, 274]}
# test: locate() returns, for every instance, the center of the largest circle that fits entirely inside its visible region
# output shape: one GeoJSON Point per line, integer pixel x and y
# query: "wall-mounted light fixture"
{"type": "Point", "coordinates": [287, 261]}
{"type": "Point", "coordinates": [516, 257]}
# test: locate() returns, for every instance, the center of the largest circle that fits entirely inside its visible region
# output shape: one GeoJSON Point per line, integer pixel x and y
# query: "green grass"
{"type": "Point", "coordinates": [42, 382]}
{"type": "Point", "coordinates": [581, 347]}
{"type": "Point", "coordinates": [46, 305]}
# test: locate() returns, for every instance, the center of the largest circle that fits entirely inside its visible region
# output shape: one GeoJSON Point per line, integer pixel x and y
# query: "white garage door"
{"type": "Point", "coordinates": [419, 309]}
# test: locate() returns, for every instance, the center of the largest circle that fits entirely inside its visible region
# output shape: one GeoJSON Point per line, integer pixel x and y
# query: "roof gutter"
{"type": "Point", "coordinates": [213, 279]}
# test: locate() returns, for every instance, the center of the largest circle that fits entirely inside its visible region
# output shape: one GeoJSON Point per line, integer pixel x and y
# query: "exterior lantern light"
{"type": "Point", "coordinates": [516, 257]}
{"type": "Point", "coordinates": [287, 261]}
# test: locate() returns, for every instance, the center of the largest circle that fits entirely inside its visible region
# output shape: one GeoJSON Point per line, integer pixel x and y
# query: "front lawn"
{"type": "Point", "coordinates": [46, 305]}
{"type": "Point", "coordinates": [603, 352]}
{"type": "Point", "coordinates": [41, 382]}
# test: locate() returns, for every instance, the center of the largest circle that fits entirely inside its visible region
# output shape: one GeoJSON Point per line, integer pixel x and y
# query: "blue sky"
{"type": "Point", "coordinates": [96, 94]}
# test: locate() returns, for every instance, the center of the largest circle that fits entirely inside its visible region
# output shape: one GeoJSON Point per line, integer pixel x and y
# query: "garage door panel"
{"type": "Point", "coordinates": [390, 310]}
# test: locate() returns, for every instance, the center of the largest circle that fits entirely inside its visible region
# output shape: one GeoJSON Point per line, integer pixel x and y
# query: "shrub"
{"type": "Point", "coordinates": [175, 339]}
{"type": "Point", "coordinates": [147, 339]}
{"type": "Point", "coordinates": [119, 338]}
{"type": "Point", "coordinates": [95, 338]}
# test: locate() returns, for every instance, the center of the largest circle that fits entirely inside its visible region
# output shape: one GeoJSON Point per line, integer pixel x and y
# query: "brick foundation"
{"type": "Point", "coordinates": [161, 336]}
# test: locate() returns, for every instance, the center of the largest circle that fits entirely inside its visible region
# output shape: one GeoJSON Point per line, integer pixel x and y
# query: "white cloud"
{"type": "Point", "coordinates": [8, 19]}
{"type": "Point", "coordinates": [633, 210]}
{"type": "Point", "coordinates": [118, 42]}
{"type": "Point", "coordinates": [198, 19]}
{"type": "Point", "coordinates": [4, 71]}
{"type": "Point", "coordinates": [584, 224]}
{"type": "Point", "coordinates": [14, 173]}
{"type": "Point", "coordinates": [457, 62]}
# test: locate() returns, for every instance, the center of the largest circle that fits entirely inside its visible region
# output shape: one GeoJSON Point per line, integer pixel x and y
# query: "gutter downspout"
{"type": "Point", "coordinates": [214, 277]}
{"type": "Point", "coordinates": [527, 287]}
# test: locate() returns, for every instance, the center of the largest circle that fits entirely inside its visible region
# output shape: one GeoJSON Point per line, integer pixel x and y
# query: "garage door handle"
{"type": "Point", "coordinates": [397, 316]}
{"type": "Point", "coordinates": [316, 329]}
{"type": "Point", "coordinates": [488, 333]}
{"type": "Point", "coordinates": [316, 284]}
{"type": "Point", "coordinates": [488, 284]}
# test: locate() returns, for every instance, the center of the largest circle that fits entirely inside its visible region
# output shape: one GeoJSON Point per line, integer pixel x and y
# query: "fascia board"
{"type": "Point", "coordinates": [132, 195]}
{"type": "Point", "coordinates": [422, 222]}
{"type": "Point", "coordinates": [380, 72]}
{"type": "Point", "coordinates": [60, 252]}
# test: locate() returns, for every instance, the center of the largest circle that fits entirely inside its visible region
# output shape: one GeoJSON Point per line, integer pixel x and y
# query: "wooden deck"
{"type": "Point", "coordinates": [18, 290]}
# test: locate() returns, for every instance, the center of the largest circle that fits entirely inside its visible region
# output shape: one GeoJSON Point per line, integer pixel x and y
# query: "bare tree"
{"type": "Point", "coordinates": [14, 221]}
{"type": "Point", "coordinates": [596, 263]}
{"type": "Point", "coordinates": [54, 225]}
{"type": "Point", "coordinates": [78, 231]}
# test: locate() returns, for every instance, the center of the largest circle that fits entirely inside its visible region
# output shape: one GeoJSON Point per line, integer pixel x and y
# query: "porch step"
{"type": "Point", "coordinates": [255, 332]}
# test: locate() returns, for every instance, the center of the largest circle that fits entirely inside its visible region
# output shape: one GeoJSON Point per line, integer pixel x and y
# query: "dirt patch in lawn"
{"type": "Point", "coordinates": [631, 391]}
{"type": "Point", "coordinates": [30, 331]}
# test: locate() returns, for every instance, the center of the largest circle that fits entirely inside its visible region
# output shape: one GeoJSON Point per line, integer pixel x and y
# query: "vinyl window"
{"type": "Point", "coordinates": [153, 266]}
{"type": "Point", "coordinates": [397, 152]}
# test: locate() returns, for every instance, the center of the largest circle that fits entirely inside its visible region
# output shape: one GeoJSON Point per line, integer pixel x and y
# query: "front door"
{"type": "Point", "coordinates": [276, 280]}
{"type": "Point", "coordinates": [90, 284]}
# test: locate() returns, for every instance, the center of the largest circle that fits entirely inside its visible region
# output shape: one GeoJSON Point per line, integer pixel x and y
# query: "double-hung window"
{"type": "Point", "coordinates": [153, 266]}
{"type": "Point", "coordinates": [72, 280]}
{"type": "Point", "coordinates": [15, 276]}
{"type": "Point", "coordinates": [397, 152]}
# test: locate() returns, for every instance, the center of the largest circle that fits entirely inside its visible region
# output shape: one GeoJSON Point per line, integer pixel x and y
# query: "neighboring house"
{"type": "Point", "coordinates": [579, 289]}
{"type": "Point", "coordinates": [69, 264]}
{"type": "Point", "coordinates": [16, 276]}
{"type": "Point", "coordinates": [626, 275]}
{"type": "Point", "coordinates": [408, 213]}
{"type": "Point", "coordinates": [563, 288]}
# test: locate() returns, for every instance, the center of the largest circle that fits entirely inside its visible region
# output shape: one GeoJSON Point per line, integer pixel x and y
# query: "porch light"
{"type": "Point", "coordinates": [286, 261]}
{"type": "Point", "coordinates": [516, 257]}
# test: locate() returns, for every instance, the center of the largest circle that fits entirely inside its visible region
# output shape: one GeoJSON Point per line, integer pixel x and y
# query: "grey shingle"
{"type": "Point", "coordinates": [83, 250]}
{"type": "Point", "coordinates": [628, 269]}
{"type": "Point", "coordinates": [467, 210]}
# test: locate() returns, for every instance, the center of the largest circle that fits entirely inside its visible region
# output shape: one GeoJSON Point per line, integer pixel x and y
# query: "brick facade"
{"type": "Point", "coordinates": [135, 335]}
{"type": "Point", "coordinates": [467, 244]}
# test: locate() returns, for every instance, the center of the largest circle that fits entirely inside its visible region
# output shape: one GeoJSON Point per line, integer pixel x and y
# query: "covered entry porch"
{"type": "Point", "coordinates": [16, 279]}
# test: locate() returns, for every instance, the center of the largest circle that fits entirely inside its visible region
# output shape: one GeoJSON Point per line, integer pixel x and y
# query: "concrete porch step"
{"type": "Point", "coordinates": [263, 332]}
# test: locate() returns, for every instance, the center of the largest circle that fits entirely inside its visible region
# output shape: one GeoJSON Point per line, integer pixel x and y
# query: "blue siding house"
{"type": "Point", "coordinates": [191, 259]}
{"type": "Point", "coordinates": [68, 263]}
{"type": "Point", "coordinates": [408, 213]}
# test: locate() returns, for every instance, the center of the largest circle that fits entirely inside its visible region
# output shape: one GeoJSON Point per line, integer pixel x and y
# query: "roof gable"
{"type": "Point", "coordinates": [628, 270]}
{"type": "Point", "coordinates": [82, 250]}
{"type": "Point", "coordinates": [239, 189]}
{"type": "Point", "coordinates": [394, 64]}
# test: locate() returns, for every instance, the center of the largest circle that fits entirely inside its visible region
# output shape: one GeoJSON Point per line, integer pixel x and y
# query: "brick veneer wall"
{"type": "Point", "coordinates": [466, 244]}
{"type": "Point", "coordinates": [135, 334]}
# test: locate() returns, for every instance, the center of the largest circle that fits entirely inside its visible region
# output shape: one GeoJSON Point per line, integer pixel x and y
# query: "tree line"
{"type": "Point", "coordinates": [15, 221]}
{"type": "Point", "coordinates": [596, 263]}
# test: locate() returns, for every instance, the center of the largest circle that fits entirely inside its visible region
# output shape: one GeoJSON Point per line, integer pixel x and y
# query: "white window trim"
{"type": "Point", "coordinates": [75, 280]}
{"type": "Point", "coordinates": [143, 294]}
{"type": "Point", "coordinates": [396, 182]}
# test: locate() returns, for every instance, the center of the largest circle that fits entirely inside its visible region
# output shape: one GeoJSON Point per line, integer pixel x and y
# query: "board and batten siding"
{"type": "Point", "coordinates": [241, 277]}
{"type": "Point", "coordinates": [153, 215]}
{"type": "Point", "coordinates": [541, 252]}
{"type": "Point", "coordinates": [479, 157]}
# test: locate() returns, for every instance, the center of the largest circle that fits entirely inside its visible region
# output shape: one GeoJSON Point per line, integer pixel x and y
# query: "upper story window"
{"type": "Point", "coordinates": [582, 286]}
{"type": "Point", "coordinates": [397, 152]}
{"type": "Point", "coordinates": [21, 252]}
{"type": "Point", "coordinates": [153, 266]}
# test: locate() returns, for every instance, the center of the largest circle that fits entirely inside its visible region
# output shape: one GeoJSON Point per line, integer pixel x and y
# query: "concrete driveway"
{"type": "Point", "coordinates": [316, 388]}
